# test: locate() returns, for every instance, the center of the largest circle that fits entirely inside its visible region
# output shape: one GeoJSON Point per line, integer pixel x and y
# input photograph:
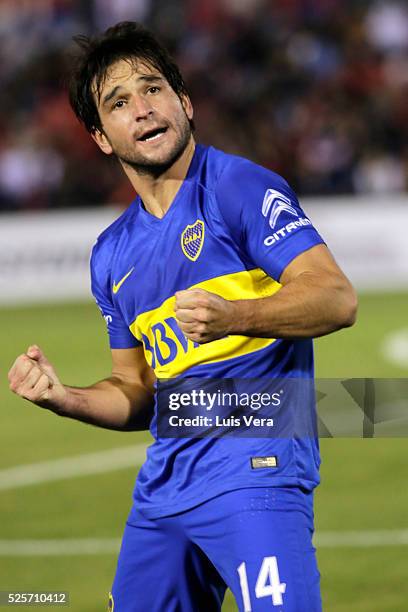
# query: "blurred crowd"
{"type": "Point", "coordinates": [316, 90]}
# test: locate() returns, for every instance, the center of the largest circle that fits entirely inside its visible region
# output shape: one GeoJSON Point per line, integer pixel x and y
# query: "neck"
{"type": "Point", "coordinates": [158, 192]}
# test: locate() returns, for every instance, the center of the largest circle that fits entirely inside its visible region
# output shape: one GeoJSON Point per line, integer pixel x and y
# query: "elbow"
{"type": "Point", "coordinates": [349, 307]}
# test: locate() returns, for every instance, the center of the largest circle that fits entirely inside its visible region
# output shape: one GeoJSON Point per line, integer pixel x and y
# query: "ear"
{"type": "Point", "coordinates": [102, 142]}
{"type": "Point", "coordinates": [188, 107]}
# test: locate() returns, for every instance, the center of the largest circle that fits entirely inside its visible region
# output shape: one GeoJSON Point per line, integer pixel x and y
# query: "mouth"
{"type": "Point", "coordinates": [153, 134]}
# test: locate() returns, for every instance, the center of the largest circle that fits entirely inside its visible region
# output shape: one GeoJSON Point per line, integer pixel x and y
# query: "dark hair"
{"type": "Point", "coordinates": [126, 40]}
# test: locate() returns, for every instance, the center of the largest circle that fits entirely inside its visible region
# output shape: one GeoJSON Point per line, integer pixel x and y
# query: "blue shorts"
{"type": "Point", "coordinates": [256, 541]}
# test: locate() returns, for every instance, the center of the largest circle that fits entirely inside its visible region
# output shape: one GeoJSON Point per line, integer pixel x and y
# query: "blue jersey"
{"type": "Point", "coordinates": [232, 229]}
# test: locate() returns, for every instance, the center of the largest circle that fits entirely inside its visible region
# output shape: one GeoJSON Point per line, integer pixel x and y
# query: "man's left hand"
{"type": "Point", "coordinates": [203, 316]}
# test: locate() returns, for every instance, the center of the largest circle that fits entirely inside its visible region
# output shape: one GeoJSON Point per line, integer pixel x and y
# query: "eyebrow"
{"type": "Point", "coordinates": [147, 78]}
{"type": "Point", "coordinates": [111, 94]}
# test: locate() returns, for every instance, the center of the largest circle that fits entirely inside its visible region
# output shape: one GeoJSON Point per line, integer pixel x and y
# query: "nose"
{"type": "Point", "coordinates": [142, 108]}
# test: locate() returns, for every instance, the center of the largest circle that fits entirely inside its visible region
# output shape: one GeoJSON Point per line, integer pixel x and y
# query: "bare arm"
{"type": "Point", "coordinates": [123, 401]}
{"type": "Point", "coordinates": [315, 299]}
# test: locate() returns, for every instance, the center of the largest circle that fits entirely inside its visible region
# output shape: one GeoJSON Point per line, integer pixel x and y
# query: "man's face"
{"type": "Point", "coordinates": [145, 124]}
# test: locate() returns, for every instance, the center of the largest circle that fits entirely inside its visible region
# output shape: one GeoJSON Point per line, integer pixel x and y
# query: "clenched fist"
{"type": "Point", "coordinates": [203, 316]}
{"type": "Point", "coordinates": [33, 378]}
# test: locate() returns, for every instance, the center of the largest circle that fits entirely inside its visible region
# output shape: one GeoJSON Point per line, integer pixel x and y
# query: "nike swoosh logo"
{"type": "Point", "coordinates": [117, 286]}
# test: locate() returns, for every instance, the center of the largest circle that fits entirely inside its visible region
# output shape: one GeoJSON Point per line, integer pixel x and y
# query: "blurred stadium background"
{"type": "Point", "coordinates": [314, 89]}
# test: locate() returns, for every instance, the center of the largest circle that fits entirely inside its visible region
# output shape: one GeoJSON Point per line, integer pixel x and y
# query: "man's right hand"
{"type": "Point", "coordinates": [124, 401]}
{"type": "Point", "coordinates": [34, 378]}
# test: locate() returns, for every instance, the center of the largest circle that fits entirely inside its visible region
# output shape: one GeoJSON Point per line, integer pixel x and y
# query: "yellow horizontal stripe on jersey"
{"type": "Point", "coordinates": [173, 354]}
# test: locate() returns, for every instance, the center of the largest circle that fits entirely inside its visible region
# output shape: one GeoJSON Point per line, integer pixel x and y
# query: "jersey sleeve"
{"type": "Point", "coordinates": [120, 336]}
{"type": "Point", "coordinates": [264, 216]}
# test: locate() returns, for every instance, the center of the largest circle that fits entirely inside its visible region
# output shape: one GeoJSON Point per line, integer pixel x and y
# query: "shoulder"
{"type": "Point", "coordinates": [105, 247]}
{"type": "Point", "coordinates": [243, 175]}
{"type": "Point", "coordinates": [227, 175]}
{"type": "Point", "coordinates": [243, 190]}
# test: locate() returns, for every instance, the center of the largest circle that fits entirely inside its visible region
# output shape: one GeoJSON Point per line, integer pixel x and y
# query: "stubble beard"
{"type": "Point", "coordinates": [146, 167]}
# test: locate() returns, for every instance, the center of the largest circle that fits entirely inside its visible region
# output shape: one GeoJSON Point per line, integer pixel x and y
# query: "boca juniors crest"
{"type": "Point", "coordinates": [192, 240]}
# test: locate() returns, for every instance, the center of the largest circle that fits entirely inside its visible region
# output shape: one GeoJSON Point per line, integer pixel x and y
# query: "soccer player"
{"type": "Point", "coordinates": [214, 271]}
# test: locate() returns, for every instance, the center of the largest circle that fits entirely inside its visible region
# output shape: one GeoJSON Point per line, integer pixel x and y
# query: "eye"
{"type": "Point", "coordinates": [153, 89]}
{"type": "Point", "coordinates": [119, 104]}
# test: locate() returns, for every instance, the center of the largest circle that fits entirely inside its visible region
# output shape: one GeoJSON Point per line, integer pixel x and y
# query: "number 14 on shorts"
{"type": "Point", "coordinates": [268, 583]}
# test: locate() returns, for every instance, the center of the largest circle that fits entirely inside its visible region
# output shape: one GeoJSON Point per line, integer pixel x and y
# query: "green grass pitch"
{"type": "Point", "coordinates": [363, 481]}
